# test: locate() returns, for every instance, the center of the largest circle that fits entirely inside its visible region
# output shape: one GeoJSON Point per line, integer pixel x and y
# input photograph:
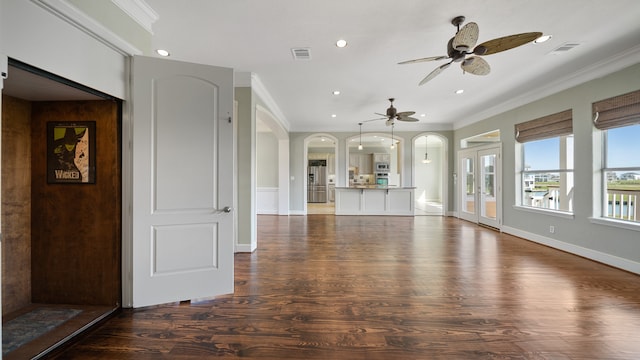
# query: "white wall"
{"type": "Point", "coordinates": [429, 176]}
{"type": "Point", "coordinates": [612, 245]}
{"type": "Point", "coordinates": [267, 177]}
{"type": "Point", "coordinates": [34, 36]}
{"type": "Point", "coordinates": [266, 160]}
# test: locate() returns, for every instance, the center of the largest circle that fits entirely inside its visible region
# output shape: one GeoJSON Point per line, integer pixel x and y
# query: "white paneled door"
{"type": "Point", "coordinates": [182, 181]}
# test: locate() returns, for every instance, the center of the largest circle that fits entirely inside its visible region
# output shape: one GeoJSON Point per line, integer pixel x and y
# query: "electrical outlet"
{"type": "Point", "coordinates": [552, 229]}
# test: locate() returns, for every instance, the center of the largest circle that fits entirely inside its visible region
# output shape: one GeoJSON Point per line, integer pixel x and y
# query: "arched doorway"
{"type": "Point", "coordinates": [320, 173]}
{"type": "Point", "coordinates": [430, 168]}
{"type": "Point", "coordinates": [366, 150]}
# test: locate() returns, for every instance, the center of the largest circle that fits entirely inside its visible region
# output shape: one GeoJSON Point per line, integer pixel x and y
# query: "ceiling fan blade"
{"type": "Point", "coordinates": [476, 65]}
{"type": "Point", "coordinates": [434, 73]}
{"type": "Point", "coordinates": [405, 114]}
{"type": "Point", "coordinates": [505, 43]}
{"type": "Point", "coordinates": [408, 119]}
{"type": "Point", "coordinates": [432, 58]}
{"type": "Point", "coordinates": [466, 38]}
{"type": "Point", "coordinates": [385, 116]}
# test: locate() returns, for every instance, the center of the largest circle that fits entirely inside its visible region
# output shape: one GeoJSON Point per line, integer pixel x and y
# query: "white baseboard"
{"type": "Point", "coordinates": [452, 213]}
{"type": "Point", "coordinates": [598, 256]}
{"type": "Point", "coordinates": [243, 248]}
{"type": "Point", "coordinates": [297, 212]}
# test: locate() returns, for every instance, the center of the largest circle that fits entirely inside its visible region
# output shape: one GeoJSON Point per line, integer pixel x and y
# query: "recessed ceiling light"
{"type": "Point", "coordinates": [162, 52]}
{"type": "Point", "coordinates": [341, 43]}
{"type": "Point", "coordinates": [333, 115]}
{"type": "Point", "coordinates": [542, 39]}
{"type": "Point", "coordinates": [423, 115]}
{"type": "Point", "coordinates": [459, 91]}
{"type": "Point", "coordinates": [336, 92]}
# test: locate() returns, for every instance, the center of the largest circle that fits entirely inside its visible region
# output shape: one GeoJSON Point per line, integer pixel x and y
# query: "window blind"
{"type": "Point", "coordinates": [621, 110]}
{"type": "Point", "coordinates": [549, 126]}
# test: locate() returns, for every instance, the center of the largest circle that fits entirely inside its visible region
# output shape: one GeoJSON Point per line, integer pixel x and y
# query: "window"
{"type": "Point", "coordinates": [619, 120]}
{"type": "Point", "coordinates": [546, 172]}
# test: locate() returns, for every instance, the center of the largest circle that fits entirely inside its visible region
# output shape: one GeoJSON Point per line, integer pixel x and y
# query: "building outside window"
{"type": "Point", "coordinates": [619, 120]}
{"type": "Point", "coordinates": [546, 172]}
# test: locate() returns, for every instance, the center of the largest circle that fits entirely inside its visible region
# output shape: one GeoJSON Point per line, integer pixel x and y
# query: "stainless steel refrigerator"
{"type": "Point", "coordinates": [317, 184]}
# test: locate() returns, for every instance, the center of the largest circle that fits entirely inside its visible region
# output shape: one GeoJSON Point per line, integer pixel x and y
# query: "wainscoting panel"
{"type": "Point", "coordinates": [267, 200]}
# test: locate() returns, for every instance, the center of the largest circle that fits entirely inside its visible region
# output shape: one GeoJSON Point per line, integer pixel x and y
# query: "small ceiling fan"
{"type": "Point", "coordinates": [392, 115]}
{"type": "Point", "coordinates": [465, 39]}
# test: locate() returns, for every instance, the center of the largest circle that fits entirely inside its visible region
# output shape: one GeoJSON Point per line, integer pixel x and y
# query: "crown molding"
{"type": "Point", "coordinates": [602, 68]}
{"type": "Point", "coordinates": [263, 93]}
{"type": "Point", "coordinates": [74, 16]}
{"type": "Point", "coordinates": [139, 11]}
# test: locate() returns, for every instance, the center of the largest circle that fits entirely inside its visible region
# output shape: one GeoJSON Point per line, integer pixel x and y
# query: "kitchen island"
{"type": "Point", "coordinates": [374, 200]}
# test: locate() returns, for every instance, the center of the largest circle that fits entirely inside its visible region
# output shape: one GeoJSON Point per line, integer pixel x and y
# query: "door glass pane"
{"type": "Point", "coordinates": [488, 196]}
{"type": "Point", "coordinates": [469, 202]}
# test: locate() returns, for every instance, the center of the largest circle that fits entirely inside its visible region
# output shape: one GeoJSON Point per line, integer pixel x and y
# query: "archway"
{"type": "Point", "coordinates": [364, 151]}
{"type": "Point", "coordinates": [321, 173]}
{"type": "Point", "coordinates": [278, 199]}
{"type": "Point", "coordinates": [430, 164]}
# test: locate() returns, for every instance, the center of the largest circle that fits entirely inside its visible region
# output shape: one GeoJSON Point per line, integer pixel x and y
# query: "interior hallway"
{"type": "Point", "coordinates": [373, 287]}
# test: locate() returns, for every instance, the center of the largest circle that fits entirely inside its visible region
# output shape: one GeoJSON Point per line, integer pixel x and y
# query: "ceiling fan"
{"type": "Point", "coordinates": [465, 39]}
{"type": "Point", "coordinates": [392, 115]}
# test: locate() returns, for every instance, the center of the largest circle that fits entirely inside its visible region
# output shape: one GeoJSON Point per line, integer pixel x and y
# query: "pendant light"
{"type": "Point", "coordinates": [426, 159]}
{"type": "Point", "coordinates": [360, 146]}
{"type": "Point", "coordinates": [393, 145]}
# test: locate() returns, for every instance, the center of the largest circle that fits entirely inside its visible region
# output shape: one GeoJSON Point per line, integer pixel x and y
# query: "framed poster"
{"type": "Point", "coordinates": [71, 152]}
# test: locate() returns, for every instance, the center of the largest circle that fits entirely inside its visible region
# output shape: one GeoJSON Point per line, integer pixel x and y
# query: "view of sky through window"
{"type": "Point", "coordinates": [623, 147]}
{"type": "Point", "coordinates": [542, 154]}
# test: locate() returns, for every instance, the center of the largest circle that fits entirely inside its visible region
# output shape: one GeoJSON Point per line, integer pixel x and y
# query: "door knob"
{"type": "Point", "coordinates": [226, 209]}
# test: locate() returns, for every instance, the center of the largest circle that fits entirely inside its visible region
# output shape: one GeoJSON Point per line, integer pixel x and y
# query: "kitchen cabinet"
{"type": "Point", "coordinates": [317, 156]}
{"type": "Point", "coordinates": [365, 164]}
{"type": "Point", "coordinates": [362, 162]}
{"type": "Point", "coordinates": [381, 157]}
{"type": "Point", "coordinates": [354, 160]}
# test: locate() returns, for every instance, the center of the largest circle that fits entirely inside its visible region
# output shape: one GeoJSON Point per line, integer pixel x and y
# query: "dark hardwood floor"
{"type": "Point", "coordinates": [348, 287]}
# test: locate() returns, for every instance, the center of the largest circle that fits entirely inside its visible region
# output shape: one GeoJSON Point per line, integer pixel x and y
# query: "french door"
{"type": "Point", "coordinates": [479, 190]}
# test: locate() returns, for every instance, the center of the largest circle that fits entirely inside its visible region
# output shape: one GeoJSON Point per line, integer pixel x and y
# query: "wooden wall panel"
{"type": "Point", "coordinates": [16, 204]}
{"type": "Point", "coordinates": [76, 231]}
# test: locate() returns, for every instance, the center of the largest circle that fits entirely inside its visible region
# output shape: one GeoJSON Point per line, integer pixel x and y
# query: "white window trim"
{"type": "Point", "coordinates": [622, 224]}
{"type": "Point", "coordinates": [550, 212]}
{"type": "Point", "coordinates": [520, 178]}
{"type": "Point", "coordinates": [601, 218]}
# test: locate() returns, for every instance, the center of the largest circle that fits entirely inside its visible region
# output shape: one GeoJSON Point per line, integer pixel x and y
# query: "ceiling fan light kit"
{"type": "Point", "coordinates": [464, 40]}
{"type": "Point", "coordinates": [426, 159]}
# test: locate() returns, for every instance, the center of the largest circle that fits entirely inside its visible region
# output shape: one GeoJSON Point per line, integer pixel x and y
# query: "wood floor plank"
{"type": "Point", "coordinates": [348, 287]}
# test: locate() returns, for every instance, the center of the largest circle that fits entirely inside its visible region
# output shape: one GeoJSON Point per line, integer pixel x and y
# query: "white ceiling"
{"type": "Point", "coordinates": [256, 36]}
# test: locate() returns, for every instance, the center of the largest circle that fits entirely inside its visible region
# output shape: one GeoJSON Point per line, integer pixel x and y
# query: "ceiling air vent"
{"type": "Point", "coordinates": [301, 53]}
{"type": "Point", "coordinates": [564, 48]}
